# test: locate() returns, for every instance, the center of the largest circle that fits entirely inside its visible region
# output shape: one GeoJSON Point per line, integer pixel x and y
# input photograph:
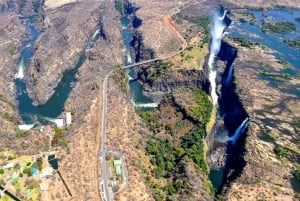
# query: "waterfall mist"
{"type": "Point", "coordinates": [217, 33]}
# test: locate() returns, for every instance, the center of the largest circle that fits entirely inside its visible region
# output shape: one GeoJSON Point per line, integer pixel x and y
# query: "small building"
{"type": "Point", "coordinates": [59, 122]}
{"type": "Point", "coordinates": [118, 166]}
{"type": "Point", "coordinates": [47, 173]}
{"type": "Point", "coordinates": [8, 166]}
{"type": "Point", "coordinates": [68, 118]}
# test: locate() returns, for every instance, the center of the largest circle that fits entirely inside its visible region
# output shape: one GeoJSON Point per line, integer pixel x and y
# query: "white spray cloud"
{"type": "Point", "coordinates": [217, 33]}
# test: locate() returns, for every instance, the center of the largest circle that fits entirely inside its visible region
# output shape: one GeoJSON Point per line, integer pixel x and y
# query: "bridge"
{"type": "Point", "coordinates": [167, 20]}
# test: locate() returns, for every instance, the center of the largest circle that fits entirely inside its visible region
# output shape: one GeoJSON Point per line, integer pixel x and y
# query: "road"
{"type": "Point", "coordinates": [104, 183]}
{"type": "Point", "coordinates": [178, 35]}
{"type": "Point", "coordinates": [105, 191]}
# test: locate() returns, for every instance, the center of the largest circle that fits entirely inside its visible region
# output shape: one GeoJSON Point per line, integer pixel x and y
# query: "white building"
{"type": "Point", "coordinates": [47, 173]}
{"type": "Point", "coordinates": [68, 118]}
{"type": "Point", "coordinates": [8, 165]}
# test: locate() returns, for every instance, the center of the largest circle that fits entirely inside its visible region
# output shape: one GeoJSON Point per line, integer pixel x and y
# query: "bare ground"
{"type": "Point", "coordinates": [126, 133]}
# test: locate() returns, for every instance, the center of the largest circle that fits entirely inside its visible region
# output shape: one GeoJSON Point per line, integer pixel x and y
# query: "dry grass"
{"type": "Point", "coordinates": [126, 134]}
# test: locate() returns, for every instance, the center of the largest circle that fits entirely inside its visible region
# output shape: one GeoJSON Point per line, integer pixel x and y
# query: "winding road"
{"type": "Point", "coordinates": [170, 24]}
{"type": "Point", "coordinates": [104, 181]}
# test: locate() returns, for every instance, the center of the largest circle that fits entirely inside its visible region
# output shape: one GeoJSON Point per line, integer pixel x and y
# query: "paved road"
{"type": "Point", "coordinates": [105, 191]}
{"type": "Point", "coordinates": [102, 154]}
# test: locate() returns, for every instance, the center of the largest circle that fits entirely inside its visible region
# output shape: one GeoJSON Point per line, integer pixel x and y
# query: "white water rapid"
{"type": "Point", "coordinates": [217, 34]}
{"type": "Point", "coordinates": [20, 73]}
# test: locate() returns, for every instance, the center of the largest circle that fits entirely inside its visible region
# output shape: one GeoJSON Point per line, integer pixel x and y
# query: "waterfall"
{"type": "Point", "coordinates": [92, 42]}
{"type": "Point", "coordinates": [217, 33]}
{"type": "Point", "coordinates": [241, 129]}
{"type": "Point", "coordinates": [144, 105]}
{"type": "Point", "coordinates": [230, 74]}
{"type": "Point", "coordinates": [20, 73]}
{"type": "Point", "coordinates": [129, 60]}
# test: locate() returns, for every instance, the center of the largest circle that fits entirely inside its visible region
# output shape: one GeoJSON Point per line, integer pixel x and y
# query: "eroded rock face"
{"type": "Point", "coordinates": [11, 34]}
{"type": "Point", "coordinates": [64, 36]}
{"type": "Point", "coordinates": [168, 81]}
{"type": "Point", "coordinates": [272, 112]}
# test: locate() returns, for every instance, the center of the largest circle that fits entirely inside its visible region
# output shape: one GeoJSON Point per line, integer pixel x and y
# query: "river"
{"type": "Point", "coordinates": [140, 101]}
{"type": "Point", "coordinates": [281, 51]}
{"type": "Point", "coordinates": [54, 106]}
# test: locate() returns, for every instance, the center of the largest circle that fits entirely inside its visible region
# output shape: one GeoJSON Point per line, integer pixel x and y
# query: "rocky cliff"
{"type": "Point", "coordinates": [65, 32]}
{"type": "Point", "coordinates": [12, 35]}
{"type": "Point", "coordinates": [166, 82]}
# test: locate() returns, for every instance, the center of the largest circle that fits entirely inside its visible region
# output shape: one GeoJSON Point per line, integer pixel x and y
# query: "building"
{"type": "Point", "coordinates": [68, 118]}
{"type": "Point", "coordinates": [118, 166]}
{"type": "Point", "coordinates": [8, 166]}
{"type": "Point", "coordinates": [47, 173]}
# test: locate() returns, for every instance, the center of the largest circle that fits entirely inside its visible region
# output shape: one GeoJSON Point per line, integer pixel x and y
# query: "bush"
{"type": "Point", "coordinates": [204, 107]}
{"type": "Point", "coordinates": [281, 152]}
{"type": "Point", "coordinates": [21, 133]}
{"type": "Point", "coordinates": [194, 148]}
{"type": "Point", "coordinates": [297, 173]}
{"type": "Point", "coordinates": [27, 171]}
{"type": "Point", "coordinates": [278, 27]}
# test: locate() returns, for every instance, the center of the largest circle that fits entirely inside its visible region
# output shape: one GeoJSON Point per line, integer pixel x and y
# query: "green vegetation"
{"type": "Point", "coordinates": [204, 107]}
{"type": "Point", "coordinates": [281, 151]}
{"type": "Point", "coordinates": [244, 43]}
{"type": "Point", "coordinates": [297, 173]}
{"type": "Point", "coordinates": [27, 171]}
{"type": "Point", "coordinates": [21, 133]}
{"type": "Point", "coordinates": [39, 163]}
{"type": "Point", "coordinates": [120, 78]}
{"type": "Point", "coordinates": [278, 27]}
{"type": "Point", "coordinates": [154, 73]}
{"type": "Point", "coordinates": [293, 43]}
{"type": "Point", "coordinates": [248, 17]}
{"type": "Point", "coordinates": [176, 144]}
{"type": "Point", "coordinates": [192, 143]}
{"type": "Point", "coordinates": [1, 171]}
{"type": "Point", "coordinates": [63, 142]}
{"type": "Point", "coordinates": [276, 76]}
{"type": "Point", "coordinates": [164, 157]}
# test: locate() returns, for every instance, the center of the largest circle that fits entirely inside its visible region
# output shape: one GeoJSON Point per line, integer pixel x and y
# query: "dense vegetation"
{"type": "Point", "coordinates": [175, 143]}
{"type": "Point", "coordinates": [120, 78]}
{"type": "Point", "coordinates": [154, 73]}
{"type": "Point", "coordinates": [278, 27]}
{"type": "Point", "coordinates": [203, 107]}
{"type": "Point", "coordinates": [243, 42]}
{"type": "Point", "coordinates": [248, 17]}
{"type": "Point", "coordinates": [192, 144]}
{"type": "Point", "coordinates": [293, 43]}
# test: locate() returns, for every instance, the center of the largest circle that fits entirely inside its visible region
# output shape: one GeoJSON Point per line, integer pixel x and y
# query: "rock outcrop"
{"type": "Point", "coordinates": [64, 36]}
